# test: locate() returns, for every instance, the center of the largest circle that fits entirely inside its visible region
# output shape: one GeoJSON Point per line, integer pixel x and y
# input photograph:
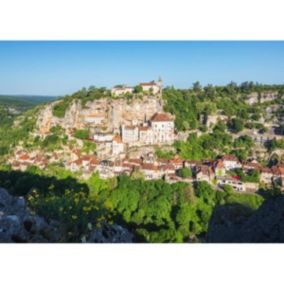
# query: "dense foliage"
{"type": "Point", "coordinates": [251, 176]}
{"type": "Point", "coordinates": [192, 106]}
{"type": "Point", "coordinates": [15, 125]}
{"type": "Point", "coordinates": [82, 133]}
{"type": "Point", "coordinates": [154, 211]}
{"type": "Point", "coordinates": [22, 103]}
{"type": "Point", "coordinates": [12, 132]}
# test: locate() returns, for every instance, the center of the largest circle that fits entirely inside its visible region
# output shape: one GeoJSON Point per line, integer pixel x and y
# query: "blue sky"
{"type": "Point", "coordinates": [59, 68]}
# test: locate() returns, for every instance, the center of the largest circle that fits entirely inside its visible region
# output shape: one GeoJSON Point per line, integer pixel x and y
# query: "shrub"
{"type": "Point", "coordinates": [82, 133]}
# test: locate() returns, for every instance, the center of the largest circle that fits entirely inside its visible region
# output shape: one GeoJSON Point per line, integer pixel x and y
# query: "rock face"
{"type": "Point", "coordinates": [233, 224]}
{"type": "Point", "coordinates": [110, 234]}
{"type": "Point", "coordinates": [103, 114]}
{"type": "Point", "coordinates": [18, 224]}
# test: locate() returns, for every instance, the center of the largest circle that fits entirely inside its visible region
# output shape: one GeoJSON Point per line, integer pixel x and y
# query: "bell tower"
{"type": "Point", "coordinates": [160, 84]}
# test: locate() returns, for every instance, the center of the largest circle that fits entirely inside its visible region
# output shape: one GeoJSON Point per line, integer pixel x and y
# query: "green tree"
{"type": "Point", "coordinates": [185, 172]}
{"type": "Point", "coordinates": [82, 133]}
{"type": "Point", "coordinates": [236, 125]}
{"type": "Point", "coordinates": [138, 89]}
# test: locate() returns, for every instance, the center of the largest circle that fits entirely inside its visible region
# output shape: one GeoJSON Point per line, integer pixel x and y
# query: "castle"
{"type": "Point", "coordinates": [153, 87]}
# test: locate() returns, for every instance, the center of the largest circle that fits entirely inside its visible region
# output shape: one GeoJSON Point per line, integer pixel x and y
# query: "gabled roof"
{"type": "Point", "coordinates": [24, 157]}
{"type": "Point", "coordinates": [152, 83]}
{"type": "Point", "coordinates": [159, 117]}
{"type": "Point", "coordinates": [117, 139]}
{"type": "Point", "coordinates": [135, 161]}
{"type": "Point", "coordinates": [130, 127]}
{"type": "Point", "coordinates": [149, 167]}
{"type": "Point", "coordinates": [266, 170]}
{"type": "Point", "coordinates": [176, 161]}
{"type": "Point", "coordinates": [250, 165]}
{"type": "Point", "coordinates": [167, 167]}
{"type": "Point", "coordinates": [230, 158]}
{"type": "Point", "coordinates": [205, 170]}
{"type": "Point", "coordinates": [144, 128]}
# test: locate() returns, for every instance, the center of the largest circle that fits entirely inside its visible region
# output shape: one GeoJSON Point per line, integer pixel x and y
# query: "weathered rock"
{"type": "Point", "coordinates": [114, 112]}
{"type": "Point", "coordinates": [18, 224]}
{"type": "Point", "coordinates": [110, 234]}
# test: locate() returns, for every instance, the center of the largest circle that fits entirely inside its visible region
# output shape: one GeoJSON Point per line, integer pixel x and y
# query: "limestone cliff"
{"type": "Point", "coordinates": [105, 114]}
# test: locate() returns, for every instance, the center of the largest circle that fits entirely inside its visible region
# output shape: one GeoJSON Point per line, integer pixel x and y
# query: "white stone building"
{"type": "Point", "coordinates": [121, 90]}
{"type": "Point", "coordinates": [151, 171]}
{"type": "Point", "coordinates": [152, 87]}
{"type": "Point", "coordinates": [117, 145]}
{"type": "Point", "coordinates": [146, 135]}
{"type": "Point", "coordinates": [230, 162]}
{"type": "Point", "coordinates": [159, 130]}
{"type": "Point", "coordinates": [163, 126]}
{"type": "Point", "coordinates": [130, 134]}
{"type": "Point", "coordinates": [103, 137]}
{"type": "Point", "coordinates": [236, 184]}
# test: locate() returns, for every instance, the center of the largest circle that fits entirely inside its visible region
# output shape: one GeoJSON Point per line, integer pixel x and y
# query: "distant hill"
{"type": "Point", "coordinates": [23, 102]}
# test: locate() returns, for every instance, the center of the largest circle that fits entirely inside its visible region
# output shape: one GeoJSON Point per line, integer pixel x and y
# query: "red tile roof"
{"type": "Point", "coordinates": [275, 170]}
{"type": "Point", "coordinates": [144, 128]}
{"type": "Point", "coordinates": [153, 83]}
{"type": "Point", "coordinates": [205, 170]}
{"type": "Point", "coordinates": [159, 117]}
{"type": "Point", "coordinates": [24, 157]}
{"type": "Point", "coordinates": [266, 170]}
{"type": "Point", "coordinates": [167, 167]}
{"type": "Point", "coordinates": [130, 127]}
{"type": "Point", "coordinates": [78, 162]}
{"type": "Point", "coordinates": [135, 161]}
{"type": "Point", "coordinates": [251, 165]}
{"type": "Point", "coordinates": [117, 139]}
{"type": "Point", "coordinates": [230, 158]}
{"type": "Point", "coordinates": [176, 161]}
{"type": "Point", "coordinates": [149, 167]}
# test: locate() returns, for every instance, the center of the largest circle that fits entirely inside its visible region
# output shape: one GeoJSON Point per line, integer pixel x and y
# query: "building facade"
{"type": "Point", "coordinates": [158, 131]}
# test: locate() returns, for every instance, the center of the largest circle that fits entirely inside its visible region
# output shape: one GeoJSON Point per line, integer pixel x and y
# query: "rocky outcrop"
{"type": "Point", "coordinates": [237, 224]}
{"type": "Point", "coordinates": [110, 234]}
{"type": "Point", "coordinates": [18, 224]}
{"type": "Point", "coordinates": [262, 97]}
{"type": "Point", "coordinates": [105, 114]}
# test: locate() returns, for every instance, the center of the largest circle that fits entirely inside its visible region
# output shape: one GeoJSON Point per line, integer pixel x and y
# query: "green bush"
{"type": "Point", "coordinates": [185, 172]}
{"type": "Point", "coordinates": [60, 108]}
{"type": "Point", "coordinates": [82, 133]}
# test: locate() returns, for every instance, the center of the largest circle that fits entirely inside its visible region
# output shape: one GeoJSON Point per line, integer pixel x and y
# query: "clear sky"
{"type": "Point", "coordinates": [59, 68]}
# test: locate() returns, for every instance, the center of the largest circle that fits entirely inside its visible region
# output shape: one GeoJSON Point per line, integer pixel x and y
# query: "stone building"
{"type": "Point", "coordinates": [162, 125]}
{"type": "Point", "coordinates": [158, 131]}
{"type": "Point", "coordinates": [121, 90]}
{"type": "Point", "coordinates": [130, 134]}
{"type": "Point", "coordinates": [153, 87]}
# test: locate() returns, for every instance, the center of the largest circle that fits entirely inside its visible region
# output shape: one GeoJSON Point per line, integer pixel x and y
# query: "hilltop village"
{"type": "Point", "coordinates": [126, 134]}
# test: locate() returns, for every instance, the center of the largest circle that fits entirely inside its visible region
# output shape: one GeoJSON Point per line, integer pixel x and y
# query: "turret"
{"type": "Point", "coordinates": [160, 84]}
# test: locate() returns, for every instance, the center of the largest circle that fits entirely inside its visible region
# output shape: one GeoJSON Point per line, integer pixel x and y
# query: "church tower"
{"type": "Point", "coordinates": [160, 84]}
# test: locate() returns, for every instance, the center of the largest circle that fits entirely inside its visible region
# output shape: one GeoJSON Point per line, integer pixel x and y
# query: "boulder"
{"type": "Point", "coordinates": [107, 233]}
